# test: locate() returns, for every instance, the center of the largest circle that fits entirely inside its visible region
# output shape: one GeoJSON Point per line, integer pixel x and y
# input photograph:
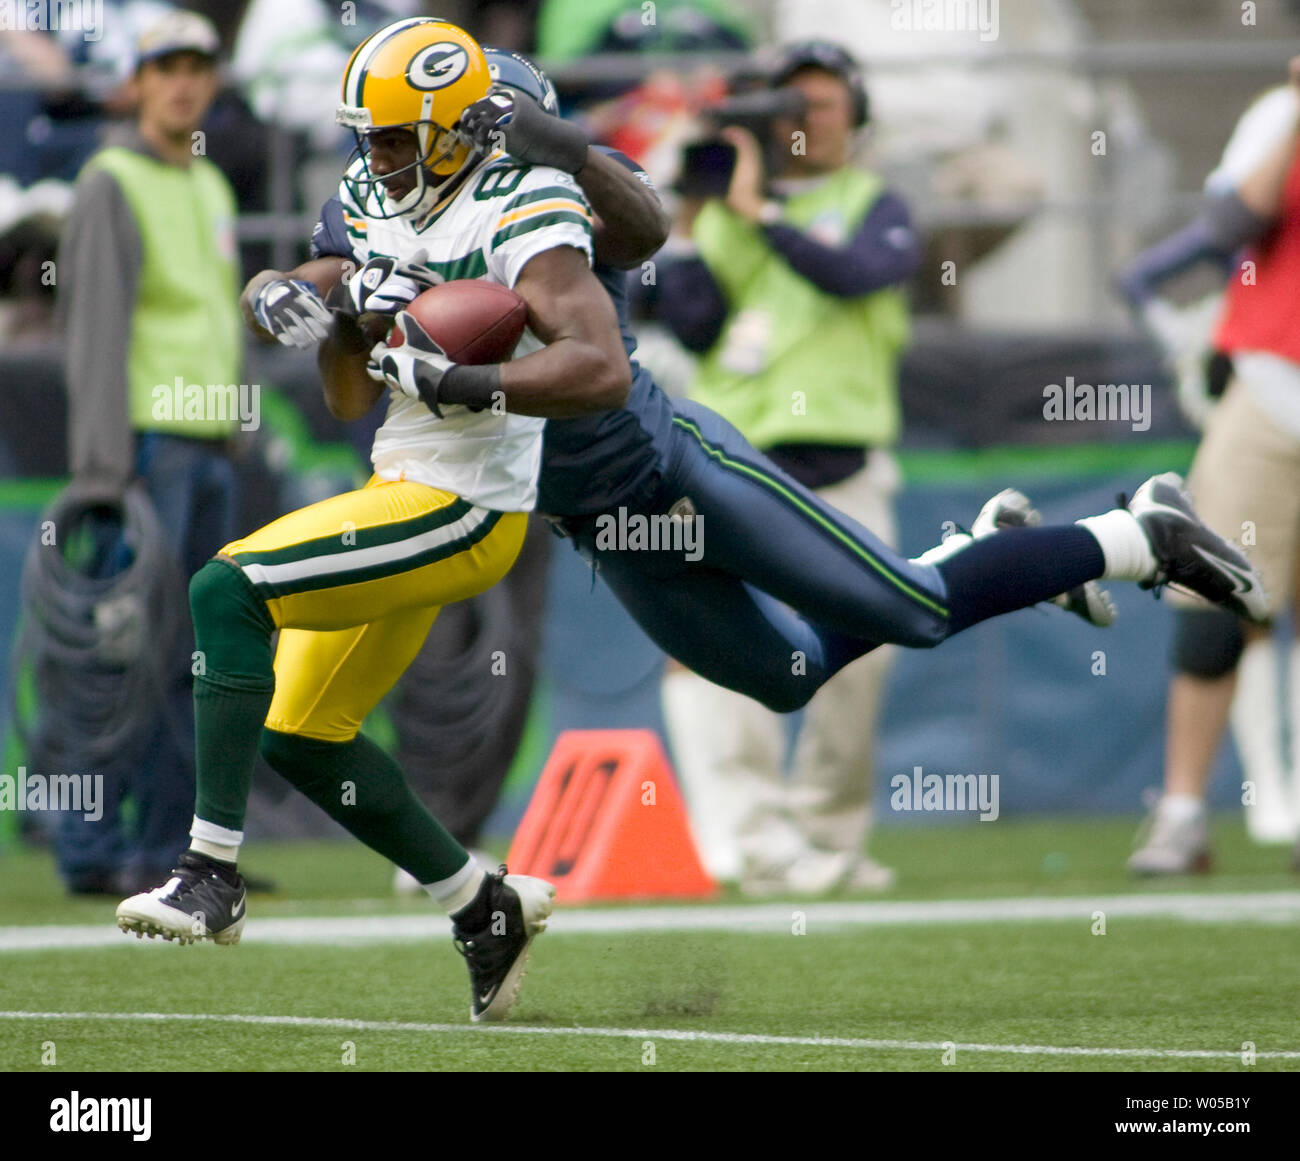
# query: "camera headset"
{"type": "Point", "coordinates": [830, 57]}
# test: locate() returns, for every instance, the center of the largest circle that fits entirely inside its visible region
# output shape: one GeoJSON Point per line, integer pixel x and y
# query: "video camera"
{"type": "Point", "coordinates": [707, 165]}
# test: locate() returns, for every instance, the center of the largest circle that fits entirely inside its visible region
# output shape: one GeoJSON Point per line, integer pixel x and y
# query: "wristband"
{"type": "Point", "coordinates": [472, 386]}
{"type": "Point", "coordinates": [569, 144]}
{"type": "Point", "coordinates": [538, 138]}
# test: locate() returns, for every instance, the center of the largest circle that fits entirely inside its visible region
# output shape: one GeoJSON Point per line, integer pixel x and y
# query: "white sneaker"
{"type": "Point", "coordinates": [1172, 845]}
{"type": "Point", "coordinates": [196, 903]}
{"type": "Point", "coordinates": [811, 873]}
{"type": "Point", "coordinates": [869, 875]}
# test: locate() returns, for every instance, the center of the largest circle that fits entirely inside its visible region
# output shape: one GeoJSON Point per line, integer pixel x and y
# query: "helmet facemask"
{"type": "Point", "coordinates": [437, 149]}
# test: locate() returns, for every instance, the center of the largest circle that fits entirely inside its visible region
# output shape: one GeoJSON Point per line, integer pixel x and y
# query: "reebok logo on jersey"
{"type": "Point", "coordinates": [437, 66]}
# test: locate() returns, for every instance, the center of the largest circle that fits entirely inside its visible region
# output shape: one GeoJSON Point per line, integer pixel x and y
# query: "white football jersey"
{"type": "Point", "coordinates": [505, 214]}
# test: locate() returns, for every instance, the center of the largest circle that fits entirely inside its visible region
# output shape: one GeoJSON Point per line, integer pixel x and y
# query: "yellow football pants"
{"type": "Point", "coordinates": [354, 584]}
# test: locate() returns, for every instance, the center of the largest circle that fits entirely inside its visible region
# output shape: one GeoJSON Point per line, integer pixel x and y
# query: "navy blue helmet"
{"type": "Point", "coordinates": [515, 71]}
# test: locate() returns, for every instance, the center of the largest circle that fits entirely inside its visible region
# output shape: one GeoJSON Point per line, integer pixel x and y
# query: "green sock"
{"type": "Point", "coordinates": [232, 691]}
{"type": "Point", "coordinates": [361, 787]}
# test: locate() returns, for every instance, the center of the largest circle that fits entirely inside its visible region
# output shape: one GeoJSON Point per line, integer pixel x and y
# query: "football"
{"type": "Point", "coordinates": [471, 320]}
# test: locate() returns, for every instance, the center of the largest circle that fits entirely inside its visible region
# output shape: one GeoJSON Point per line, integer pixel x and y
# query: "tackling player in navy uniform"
{"type": "Point", "coordinates": [780, 572]}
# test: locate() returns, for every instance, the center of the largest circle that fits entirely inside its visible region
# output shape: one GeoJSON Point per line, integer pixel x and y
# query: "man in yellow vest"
{"type": "Point", "coordinates": [147, 274]}
{"type": "Point", "coordinates": [791, 300]}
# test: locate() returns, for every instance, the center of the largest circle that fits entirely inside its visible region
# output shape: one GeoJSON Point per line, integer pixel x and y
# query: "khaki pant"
{"type": "Point", "coordinates": [731, 751]}
{"type": "Point", "coordinates": [1245, 481]}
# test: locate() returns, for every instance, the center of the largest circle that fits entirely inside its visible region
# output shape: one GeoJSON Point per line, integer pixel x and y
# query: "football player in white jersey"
{"type": "Point", "coordinates": [353, 584]}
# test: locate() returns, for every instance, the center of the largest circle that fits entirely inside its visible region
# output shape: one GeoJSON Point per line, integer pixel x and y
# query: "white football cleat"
{"type": "Point", "coordinates": [1172, 845]}
{"type": "Point", "coordinates": [196, 903]}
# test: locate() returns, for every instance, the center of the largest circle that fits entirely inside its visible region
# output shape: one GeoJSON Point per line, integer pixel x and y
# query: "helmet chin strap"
{"type": "Point", "coordinates": [411, 204]}
{"type": "Point", "coordinates": [438, 195]}
{"type": "Point", "coordinates": [427, 194]}
{"type": "Point", "coordinates": [423, 197]}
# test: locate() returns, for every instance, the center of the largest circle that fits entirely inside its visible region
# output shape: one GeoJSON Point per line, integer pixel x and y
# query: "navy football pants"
{"type": "Point", "coordinates": [786, 590]}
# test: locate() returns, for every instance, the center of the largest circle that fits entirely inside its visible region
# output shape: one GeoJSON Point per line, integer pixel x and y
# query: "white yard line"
{"type": "Point", "coordinates": [652, 1034]}
{"type": "Point", "coordinates": [1282, 907]}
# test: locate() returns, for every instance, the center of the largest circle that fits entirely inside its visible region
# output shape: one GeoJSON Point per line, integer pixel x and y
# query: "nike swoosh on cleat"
{"type": "Point", "coordinates": [1241, 582]}
{"type": "Point", "coordinates": [238, 908]}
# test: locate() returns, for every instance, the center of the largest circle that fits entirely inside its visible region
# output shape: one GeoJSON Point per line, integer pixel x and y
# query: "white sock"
{"type": "Point", "coordinates": [1257, 729]}
{"type": "Point", "coordinates": [1293, 726]}
{"type": "Point", "coordinates": [944, 549]}
{"type": "Point", "coordinates": [217, 842]}
{"type": "Point", "coordinates": [1181, 807]}
{"type": "Point", "coordinates": [459, 890]}
{"type": "Point", "coordinates": [1124, 545]}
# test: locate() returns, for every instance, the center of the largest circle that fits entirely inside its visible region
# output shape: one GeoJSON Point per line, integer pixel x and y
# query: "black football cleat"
{"type": "Point", "coordinates": [195, 903]}
{"type": "Point", "coordinates": [1191, 556]}
{"type": "Point", "coordinates": [497, 956]}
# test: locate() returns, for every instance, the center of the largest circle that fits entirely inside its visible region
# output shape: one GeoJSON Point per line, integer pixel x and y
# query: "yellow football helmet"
{"type": "Point", "coordinates": [418, 74]}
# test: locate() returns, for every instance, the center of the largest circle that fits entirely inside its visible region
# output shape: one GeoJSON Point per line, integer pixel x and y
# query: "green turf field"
{"type": "Point", "coordinates": [785, 985]}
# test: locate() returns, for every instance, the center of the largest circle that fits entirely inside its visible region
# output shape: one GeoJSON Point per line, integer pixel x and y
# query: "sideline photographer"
{"type": "Point", "coordinates": [784, 279]}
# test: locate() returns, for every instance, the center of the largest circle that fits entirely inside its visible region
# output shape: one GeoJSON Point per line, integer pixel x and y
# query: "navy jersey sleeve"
{"type": "Point", "coordinates": [330, 237]}
{"type": "Point", "coordinates": [690, 302]}
{"type": "Point", "coordinates": [1225, 225]}
{"type": "Point", "coordinates": [884, 251]}
{"type": "Point", "coordinates": [627, 163]}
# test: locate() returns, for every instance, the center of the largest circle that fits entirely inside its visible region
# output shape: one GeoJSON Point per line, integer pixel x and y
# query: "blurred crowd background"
{"type": "Point", "coordinates": [1037, 156]}
{"type": "Point", "coordinates": [979, 133]}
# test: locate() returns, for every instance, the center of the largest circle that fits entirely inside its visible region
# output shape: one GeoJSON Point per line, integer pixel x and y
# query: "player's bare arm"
{"type": "Point", "coordinates": [342, 357]}
{"type": "Point", "coordinates": [632, 223]}
{"type": "Point", "coordinates": [583, 367]}
{"type": "Point", "coordinates": [343, 351]}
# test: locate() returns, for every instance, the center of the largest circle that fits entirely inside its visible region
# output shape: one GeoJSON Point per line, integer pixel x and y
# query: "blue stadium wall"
{"type": "Point", "coordinates": [1024, 697]}
{"type": "Point", "coordinates": [1071, 718]}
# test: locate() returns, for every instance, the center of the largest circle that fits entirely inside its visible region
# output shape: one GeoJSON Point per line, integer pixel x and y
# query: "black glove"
{"type": "Point", "coordinates": [510, 120]}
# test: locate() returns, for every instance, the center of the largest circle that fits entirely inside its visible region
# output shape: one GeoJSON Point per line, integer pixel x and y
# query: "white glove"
{"type": "Point", "coordinates": [1185, 334]}
{"type": "Point", "coordinates": [416, 367]}
{"type": "Point", "coordinates": [385, 285]}
{"type": "Point", "coordinates": [292, 312]}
